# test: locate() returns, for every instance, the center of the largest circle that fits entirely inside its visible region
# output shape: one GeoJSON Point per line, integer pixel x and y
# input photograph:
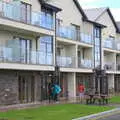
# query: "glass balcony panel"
{"type": "Point", "coordinates": [65, 61]}
{"type": "Point", "coordinates": [49, 59]}
{"type": "Point", "coordinates": [18, 12]}
{"type": "Point", "coordinates": [85, 63]}
{"type": "Point", "coordinates": [66, 32]}
{"type": "Point", "coordinates": [33, 59]}
{"type": "Point", "coordinates": [36, 19]}
{"type": "Point", "coordinates": [109, 66]}
{"type": "Point", "coordinates": [109, 43]}
{"type": "Point", "coordinates": [118, 46]}
{"type": "Point", "coordinates": [86, 38]}
{"type": "Point", "coordinates": [15, 55]}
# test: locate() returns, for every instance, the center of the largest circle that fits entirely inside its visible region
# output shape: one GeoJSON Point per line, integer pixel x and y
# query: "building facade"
{"type": "Point", "coordinates": [36, 36]}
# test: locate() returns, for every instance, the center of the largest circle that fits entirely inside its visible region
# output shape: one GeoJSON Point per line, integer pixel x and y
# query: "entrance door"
{"type": "Point", "coordinates": [117, 84]}
{"type": "Point", "coordinates": [86, 80]}
{"type": "Point", "coordinates": [26, 89]}
{"type": "Point", "coordinates": [64, 84]}
{"type": "Point", "coordinates": [46, 78]}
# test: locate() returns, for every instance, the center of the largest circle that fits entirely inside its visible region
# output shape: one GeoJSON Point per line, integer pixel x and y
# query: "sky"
{"type": "Point", "coordinates": [114, 6]}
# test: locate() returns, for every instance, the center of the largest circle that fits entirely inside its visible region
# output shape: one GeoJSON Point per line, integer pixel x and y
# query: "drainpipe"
{"type": "Point", "coordinates": [57, 69]}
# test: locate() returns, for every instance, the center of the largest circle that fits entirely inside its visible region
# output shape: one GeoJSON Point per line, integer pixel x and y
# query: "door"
{"type": "Point", "coordinates": [117, 83]}
{"type": "Point", "coordinates": [64, 85]}
{"type": "Point", "coordinates": [25, 12]}
{"type": "Point", "coordinates": [86, 80]}
{"type": "Point", "coordinates": [25, 46]}
{"type": "Point", "coordinates": [26, 89]}
{"type": "Point", "coordinates": [46, 78]}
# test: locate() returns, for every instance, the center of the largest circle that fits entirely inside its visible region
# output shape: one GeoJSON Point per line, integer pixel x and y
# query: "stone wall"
{"type": "Point", "coordinates": [8, 87]}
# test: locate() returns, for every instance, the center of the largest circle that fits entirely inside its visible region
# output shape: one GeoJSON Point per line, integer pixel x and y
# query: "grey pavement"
{"type": "Point", "coordinates": [107, 115]}
{"type": "Point", "coordinates": [111, 117]}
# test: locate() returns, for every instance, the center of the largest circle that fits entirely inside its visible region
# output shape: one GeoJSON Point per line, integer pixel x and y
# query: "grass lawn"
{"type": "Point", "coordinates": [115, 99]}
{"type": "Point", "coordinates": [54, 112]}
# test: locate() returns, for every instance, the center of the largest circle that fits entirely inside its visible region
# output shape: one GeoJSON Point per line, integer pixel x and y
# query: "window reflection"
{"type": "Point", "coordinates": [46, 50]}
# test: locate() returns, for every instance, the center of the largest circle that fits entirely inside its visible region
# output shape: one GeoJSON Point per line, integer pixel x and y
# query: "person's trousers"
{"type": "Point", "coordinates": [56, 97]}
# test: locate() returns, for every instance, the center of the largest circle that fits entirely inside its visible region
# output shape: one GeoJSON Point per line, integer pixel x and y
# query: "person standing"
{"type": "Point", "coordinates": [81, 89]}
{"type": "Point", "coordinates": [50, 91]}
{"type": "Point", "coordinates": [56, 91]}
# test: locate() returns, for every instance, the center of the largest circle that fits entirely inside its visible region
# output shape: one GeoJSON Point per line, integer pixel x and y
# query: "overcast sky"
{"type": "Point", "coordinates": [114, 6]}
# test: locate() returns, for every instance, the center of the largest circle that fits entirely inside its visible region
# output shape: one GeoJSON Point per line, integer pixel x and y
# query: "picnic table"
{"type": "Point", "coordinates": [102, 99]}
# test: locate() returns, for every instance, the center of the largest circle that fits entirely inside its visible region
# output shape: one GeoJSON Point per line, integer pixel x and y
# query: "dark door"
{"type": "Point", "coordinates": [46, 78]}
{"type": "Point", "coordinates": [117, 83]}
{"type": "Point", "coordinates": [26, 89]}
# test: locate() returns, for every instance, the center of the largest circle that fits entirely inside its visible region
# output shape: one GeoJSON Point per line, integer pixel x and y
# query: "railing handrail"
{"type": "Point", "coordinates": [30, 49]}
{"type": "Point", "coordinates": [16, 15]}
{"type": "Point", "coordinates": [77, 35]}
{"type": "Point", "coordinates": [14, 5]}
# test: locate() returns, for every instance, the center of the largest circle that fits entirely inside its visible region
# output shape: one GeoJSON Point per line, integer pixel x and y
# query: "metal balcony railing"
{"type": "Point", "coordinates": [118, 46]}
{"type": "Point", "coordinates": [109, 66]}
{"type": "Point", "coordinates": [68, 62]}
{"type": "Point", "coordinates": [26, 56]}
{"type": "Point", "coordinates": [110, 44]}
{"type": "Point", "coordinates": [70, 33]}
{"type": "Point", "coordinates": [118, 66]}
{"type": "Point", "coordinates": [14, 11]}
{"type": "Point", "coordinates": [85, 63]}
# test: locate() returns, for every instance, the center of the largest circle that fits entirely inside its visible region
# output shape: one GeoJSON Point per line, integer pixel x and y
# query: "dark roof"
{"type": "Point", "coordinates": [94, 13]}
{"type": "Point", "coordinates": [118, 25]}
{"type": "Point", "coordinates": [113, 20]}
{"type": "Point", "coordinates": [49, 6]}
{"type": "Point", "coordinates": [85, 17]}
{"type": "Point", "coordinates": [95, 23]}
{"type": "Point", "coordinates": [80, 9]}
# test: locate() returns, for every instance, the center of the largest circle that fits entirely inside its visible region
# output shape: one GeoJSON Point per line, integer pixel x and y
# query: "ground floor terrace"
{"type": "Point", "coordinates": [18, 87]}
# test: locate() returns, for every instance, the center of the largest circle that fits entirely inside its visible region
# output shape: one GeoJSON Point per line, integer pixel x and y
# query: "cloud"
{"type": "Point", "coordinates": [115, 12]}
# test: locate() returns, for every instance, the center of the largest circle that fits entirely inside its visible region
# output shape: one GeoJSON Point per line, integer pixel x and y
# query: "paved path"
{"type": "Point", "coordinates": [116, 116]}
{"type": "Point", "coordinates": [111, 116]}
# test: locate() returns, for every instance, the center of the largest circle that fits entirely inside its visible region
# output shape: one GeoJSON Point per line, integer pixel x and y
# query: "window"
{"type": "Point", "coordinates": [76, 33]}
{"type": "Point", "coordinates": [47, 18]}
{"type": "Point", "coordinates": [97, 46]}
{"type": "Point", "coordinates": [20, 49]}
{"type": "Point", "coordinates": [45, 46]}
{"type": "Point", "coordinates": [25, 12]}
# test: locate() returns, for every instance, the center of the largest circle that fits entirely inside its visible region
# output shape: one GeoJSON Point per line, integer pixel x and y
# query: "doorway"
{"type": "Point", "coordinates": [26, 89]}
{"type": "Point", "coordinates": [86, 80]}
{"type": "Point", "coordinates": [117, 83]}
{"type": "Point", "coordinates": [46, 78]}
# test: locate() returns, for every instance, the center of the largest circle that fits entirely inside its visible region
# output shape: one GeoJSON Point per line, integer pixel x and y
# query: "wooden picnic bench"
{"type": "Point", "coordinates": [93, 98]}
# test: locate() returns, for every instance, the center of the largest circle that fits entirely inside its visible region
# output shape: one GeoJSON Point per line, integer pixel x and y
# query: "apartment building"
{"type": "Point", "coordinates": [36, 37]}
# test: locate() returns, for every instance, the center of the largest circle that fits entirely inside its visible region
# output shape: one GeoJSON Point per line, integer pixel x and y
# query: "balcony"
{"type": "Point", "coordinates": [17, 55]}
{"type": "Point", "coordinates": [118, 46]}
{"type": "Point", "coordinates": [118, 66]}
{"type": "Point", "coordinates": [14, 11]}
{"type": "Point", "coordinates": [67, 62]}
{"type": "Point", "coordinates": [85, 64]}
{"type": "Point", "coordinates": [71, 34]}
{"type": "Point", "coordinates": [109, 43]}
{"type": "Point", "coordinates": [109, 66]}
